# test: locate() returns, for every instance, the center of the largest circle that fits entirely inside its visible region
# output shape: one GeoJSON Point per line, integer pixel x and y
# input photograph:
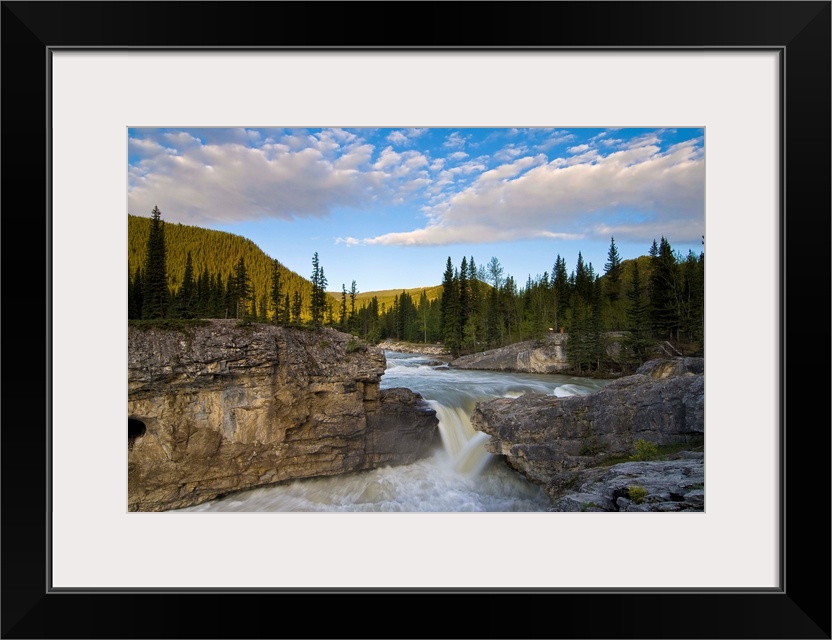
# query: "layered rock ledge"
{"type": "Point", "coordinates": [532, 356]}
{"type": "Point", "coordinates": [220, 408]}
{"type": "Point", "coordinates": [553, 440]}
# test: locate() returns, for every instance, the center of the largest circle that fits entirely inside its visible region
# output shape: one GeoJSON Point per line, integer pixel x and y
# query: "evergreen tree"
{"type": "Point", "coordinates": [231, 298]}
{"type": "Point", "coordinates": [353, 294]}
{"type": "Point", "coordinates": [597, 345]}
{"type": "Point", "coordinates": [638, 340]}
{"type": "Point", "coordinates": [297, 307]}
{"type": "Point", "coordinates": [323, 299]}
{"type": "Point", "coordinates": [203, 295]}
{"type": "Point", "coordinates": [560, 287]}
{"type": "Point", "coordinates": [242, 289]}
{"type": "Point", "coordinates": [664, 292]}
{"type": "Point", "coordinates": [276, 292]}
{"type": "Point", "coordinates": [612, 271]}
{"type": "Point", "coordinates": [692, 298]}
{"type": "Point", "coordinates": [317, 302]}
{"type": "Point", "coordinates": [449, 322]}
{"type": "Point", "coordinates": [134, 296]}
{"type": "Point", "coordinates": [186, 296]}
{"type": "Point", "coordinates": [343, 320]}
{"type": "Point", "coordinates": [263, 316]}
{"type": "Point", "coordinates": [155, 293]}
{"type": "Point", "coordinates": [218, 306]}
{"type": "Point", "coordinates": [464, 295]}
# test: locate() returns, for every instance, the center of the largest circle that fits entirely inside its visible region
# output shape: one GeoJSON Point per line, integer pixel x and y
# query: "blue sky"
{"type": "Point", "coordinates": [387, 207]}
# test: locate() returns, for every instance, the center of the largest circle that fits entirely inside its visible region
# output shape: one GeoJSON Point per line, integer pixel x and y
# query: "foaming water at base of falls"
{"type": "Point", "coordinates": [464, 446]}
{"type": "Point", "coordinates": [461, 476]}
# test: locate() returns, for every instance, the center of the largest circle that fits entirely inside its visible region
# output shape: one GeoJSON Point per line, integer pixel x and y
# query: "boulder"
{"type": "Point", "coordinates": [551, 439]}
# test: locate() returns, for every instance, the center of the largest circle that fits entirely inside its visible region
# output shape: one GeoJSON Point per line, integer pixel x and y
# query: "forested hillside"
{"type": "Point", "coordinates": [215, 256]}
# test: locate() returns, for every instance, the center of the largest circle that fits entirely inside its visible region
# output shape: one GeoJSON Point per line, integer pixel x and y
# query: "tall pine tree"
{"type": "Point", "coordinates": [155, 292]}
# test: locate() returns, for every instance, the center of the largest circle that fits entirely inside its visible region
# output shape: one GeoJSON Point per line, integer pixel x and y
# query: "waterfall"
{"type": "Point", "coordinates": [460, 477]}
{"type": "Point", "coordinates": [464, 445]}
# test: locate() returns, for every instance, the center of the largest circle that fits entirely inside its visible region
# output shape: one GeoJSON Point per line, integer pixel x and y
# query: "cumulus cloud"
{"type": "Point", "coordinates": [596, 197]}
{"type": "Point", "coordinates": [405, 136]}
{"type": "Point", "coordinates": [455, 140]}
{"type": "Point", "coordinates": [397, 137]}
{"type": "Point", "coordinates": [457, 155]}
{"type": "Point", "coordinates": [303, 175]}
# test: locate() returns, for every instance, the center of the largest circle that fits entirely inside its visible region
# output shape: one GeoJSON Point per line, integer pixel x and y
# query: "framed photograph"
{"type": "Point", "coordinates": [754, 77]}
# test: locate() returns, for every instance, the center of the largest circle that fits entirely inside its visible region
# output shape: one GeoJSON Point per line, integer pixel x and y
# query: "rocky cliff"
{"type": "Point", "coordinates": [551, 440]}
{"type": "Point", "coordinates": [219, 408]}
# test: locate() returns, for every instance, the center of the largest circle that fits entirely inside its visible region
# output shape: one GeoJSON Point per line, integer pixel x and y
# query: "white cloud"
{"type": "Point", "coordinates": [457, 155]}
{"type": "Point", "coordinates": [397, 137]}
{"type": "Point", "coordinates": [387, 159]}
{"type": "Point", "coordinates": [355, 157]}
{"type": "Point", "coordinates": [556, 138]}
{"type": "Point", "coordinates": [585, 195]}
{"type": "Point", "coordinates": [349, 241]}
{"type": "Point", "coordinates": [579, 149]}
{"type": "Point", "coordinates": [510, 152]}
{"type": "Point", "coordinates": [455, 140]}
{"type": "Point", "coordinates": [406, 136]}
{"type": "Point", "coordinates": [232, 182]}
{"type": "Point", "coordinates": [146, 147]}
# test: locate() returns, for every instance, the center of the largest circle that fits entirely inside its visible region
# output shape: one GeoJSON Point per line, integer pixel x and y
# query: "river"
{"type": "Point", "coordinates": [459, 477]}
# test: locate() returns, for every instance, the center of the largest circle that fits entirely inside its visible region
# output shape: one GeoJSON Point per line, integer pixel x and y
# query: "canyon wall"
{"type": "Point", "coordinates": [218, 407]}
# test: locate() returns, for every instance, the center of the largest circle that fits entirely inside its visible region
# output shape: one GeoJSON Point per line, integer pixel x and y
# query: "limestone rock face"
{"type": "Point", "coordinates": [532, 356]}
{"type": "Point", "coordinates": [550, 439]}
{"type": "Point", "coordinates": [221, 408]}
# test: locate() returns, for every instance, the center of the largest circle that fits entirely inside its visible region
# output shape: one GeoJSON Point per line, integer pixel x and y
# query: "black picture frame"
{"type": "Point", "coordinates": [800, 31]}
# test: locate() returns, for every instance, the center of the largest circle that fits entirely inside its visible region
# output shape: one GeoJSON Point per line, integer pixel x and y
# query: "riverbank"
{"type": "Point", "coordinates": [436, 350]}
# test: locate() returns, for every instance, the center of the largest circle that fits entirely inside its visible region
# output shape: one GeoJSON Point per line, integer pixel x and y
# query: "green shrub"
{"type": "Point", "coordinates": [355, 345]}
{"type": "Point", "coordinates": [645, 450]}
{"type": "Point", "coordinates": [636, 493]}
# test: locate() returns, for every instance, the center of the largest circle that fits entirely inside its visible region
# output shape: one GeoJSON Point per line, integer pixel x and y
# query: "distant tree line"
{"type": "Point", "coordinates": [654, 298]}
{"type": "Point", "coordinates": [651, 299]}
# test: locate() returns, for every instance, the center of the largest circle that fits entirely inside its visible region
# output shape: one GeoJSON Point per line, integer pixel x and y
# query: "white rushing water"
{"type": "Point", "coordinates": [459, 477]}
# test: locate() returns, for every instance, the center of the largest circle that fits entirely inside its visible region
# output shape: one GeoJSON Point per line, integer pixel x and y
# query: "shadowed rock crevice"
{"type": "Point", "coordinates": [135, 429]}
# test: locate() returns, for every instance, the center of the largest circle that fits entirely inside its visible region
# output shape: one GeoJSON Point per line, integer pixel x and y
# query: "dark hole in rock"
{"type": "Point", "coordinates": [135, 429]}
